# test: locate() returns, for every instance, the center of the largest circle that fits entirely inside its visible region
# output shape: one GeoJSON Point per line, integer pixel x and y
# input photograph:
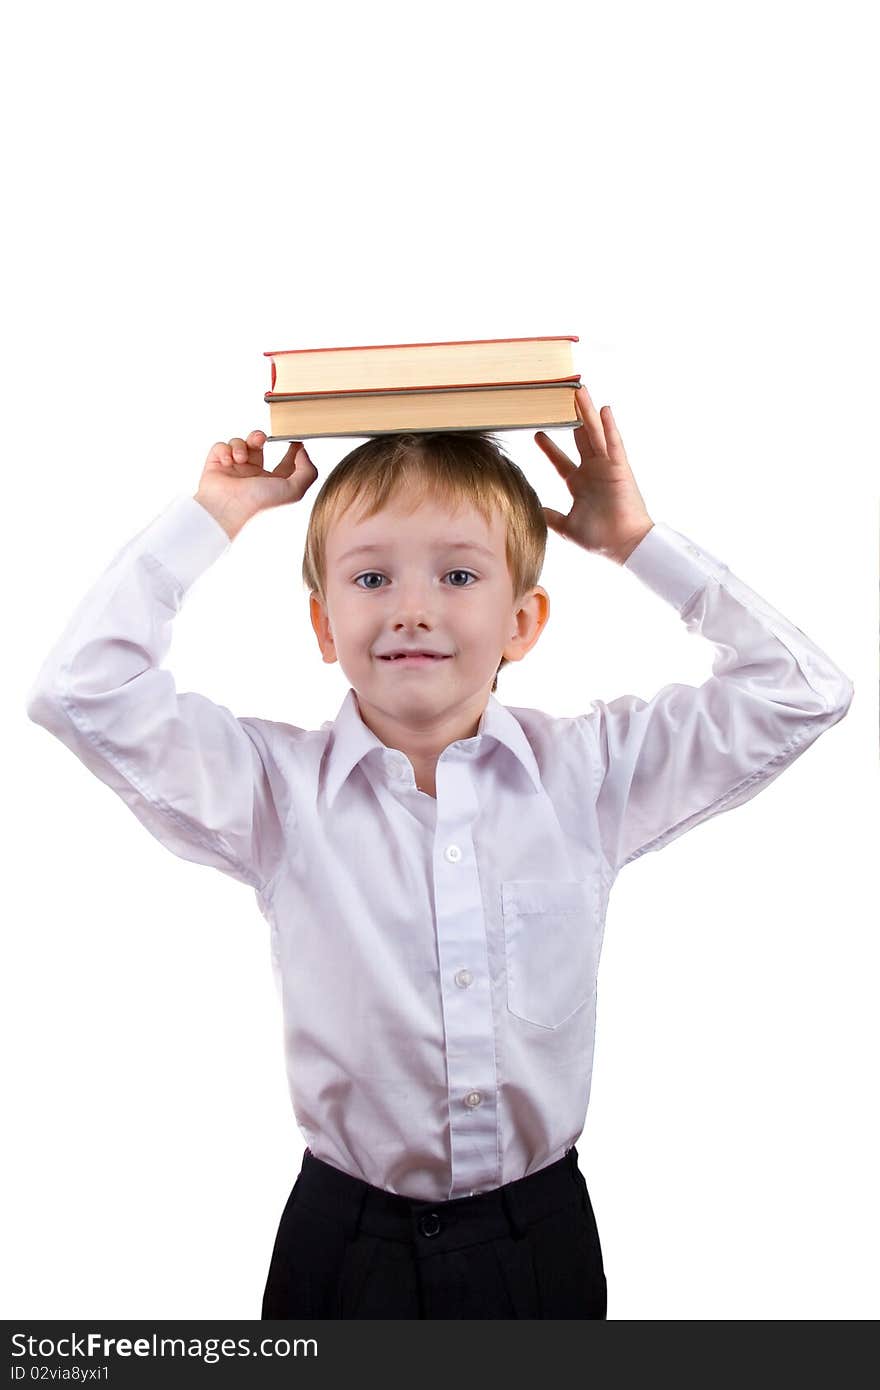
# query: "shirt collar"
{"type": "Point", "coordinates": [351, 740]}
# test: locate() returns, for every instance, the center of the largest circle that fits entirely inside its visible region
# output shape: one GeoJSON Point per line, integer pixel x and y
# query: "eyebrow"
{"type": "Point", "coordinates": [440, 545]}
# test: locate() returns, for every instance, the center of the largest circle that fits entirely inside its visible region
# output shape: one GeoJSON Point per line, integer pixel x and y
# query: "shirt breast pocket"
{"type": "Point", "coordinates": [551, 943]}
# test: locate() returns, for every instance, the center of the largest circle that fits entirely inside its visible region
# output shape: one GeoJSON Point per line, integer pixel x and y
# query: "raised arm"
{"type": "Point", "coordinates": [691, 752]}
{"type": "Point", "coordinates": [668, 763]}
{"type": "Point", "coordinates": [201, 780]}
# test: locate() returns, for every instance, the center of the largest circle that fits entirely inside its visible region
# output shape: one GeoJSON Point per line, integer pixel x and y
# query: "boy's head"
{"type": "Point", "coordinates": [424, 503]}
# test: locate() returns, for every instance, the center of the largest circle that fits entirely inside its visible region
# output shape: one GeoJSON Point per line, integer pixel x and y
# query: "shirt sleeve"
{"type": "Point", "coordinates": [201, 780]}
{"type": "Point", "coordinates": [669, 763]}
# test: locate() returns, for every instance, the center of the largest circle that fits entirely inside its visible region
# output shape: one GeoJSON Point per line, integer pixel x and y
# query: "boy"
{"type": "Point", "coordinates": [435, 867]}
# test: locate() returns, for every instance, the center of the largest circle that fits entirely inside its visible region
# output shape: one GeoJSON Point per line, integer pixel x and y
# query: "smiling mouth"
{"type": "Point", "coordinates": [422, 659]}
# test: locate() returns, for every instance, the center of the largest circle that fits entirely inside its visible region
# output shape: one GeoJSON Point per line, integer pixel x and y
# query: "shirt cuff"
{"type": "Point", "coordinates": [185, 539]}
{"type": "Point", "coordinates": [671, 565]}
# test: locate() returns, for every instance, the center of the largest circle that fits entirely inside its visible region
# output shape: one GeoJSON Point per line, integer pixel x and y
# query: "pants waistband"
{"type": "Point", "coordinates": [436, 1226]}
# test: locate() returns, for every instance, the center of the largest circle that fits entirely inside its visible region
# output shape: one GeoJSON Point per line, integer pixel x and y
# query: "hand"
{"type": "Point", "coordinates": [609, 515]}
{"type": "Point", "coordinates": [234, 485]}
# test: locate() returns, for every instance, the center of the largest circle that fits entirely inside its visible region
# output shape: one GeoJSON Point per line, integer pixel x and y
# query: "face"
{"type": "Point", "coordinates": [426, 579]}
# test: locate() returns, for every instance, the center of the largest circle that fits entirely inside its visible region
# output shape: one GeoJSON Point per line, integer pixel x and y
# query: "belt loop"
{"type": "Point", "coordinates": [519, 1230]}
{"type": "Point", "coordinates": [579, 1179]}
{"type": "Point", "coordinates": [353, 1224]}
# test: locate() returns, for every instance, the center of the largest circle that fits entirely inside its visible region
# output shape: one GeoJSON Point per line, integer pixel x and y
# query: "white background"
{"type": "Point", "coordinates": [686, 187]}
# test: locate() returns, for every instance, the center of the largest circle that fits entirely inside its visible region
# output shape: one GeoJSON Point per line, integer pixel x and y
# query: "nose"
{"type": "Point", "coordinates": [413, 606]}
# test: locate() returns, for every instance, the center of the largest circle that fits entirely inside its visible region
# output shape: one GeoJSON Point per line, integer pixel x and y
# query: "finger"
{"type": "Point", "coordinates": [555, 520]}
{"type": "Point", "coordinates": [616, 450]}
{"type": "Point", "coordinates": [304, 474]}
{"type": "Point", "coordinates": [239, 449]}
{"type": "Point", "coordinates": [591, 428]}
{"type": "Point", "coordinates": [289, 463]}
{"type": "Point", "coordinates": [563, 463]}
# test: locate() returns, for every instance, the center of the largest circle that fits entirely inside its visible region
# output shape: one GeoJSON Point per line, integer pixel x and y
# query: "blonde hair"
{"type": "Point", "coordinates": [455, 468]}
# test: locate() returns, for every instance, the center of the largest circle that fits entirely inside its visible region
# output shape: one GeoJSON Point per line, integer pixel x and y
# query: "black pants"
{"type": "Point", "coordinates": [346, 1249]}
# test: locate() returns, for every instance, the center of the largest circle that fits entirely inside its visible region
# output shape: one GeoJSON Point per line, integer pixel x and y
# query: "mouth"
{"type": "Point", "coordinates": [421, 659]}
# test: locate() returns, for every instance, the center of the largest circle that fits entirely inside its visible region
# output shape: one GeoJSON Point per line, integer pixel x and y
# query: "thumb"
{"type": "Point", "coordinates": [299, 471]}
{"type": "Point", "coordinates": [555, 520]}
{"type": "Point", "coordinates": [288, 463]}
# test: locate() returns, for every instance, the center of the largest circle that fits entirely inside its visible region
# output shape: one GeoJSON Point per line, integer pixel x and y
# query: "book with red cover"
{"type": "Point", "coordinates": [486, 383]}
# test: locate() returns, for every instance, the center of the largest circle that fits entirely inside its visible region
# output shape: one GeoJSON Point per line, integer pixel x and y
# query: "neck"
{"type": "Point", "coordinates": [424, 741]}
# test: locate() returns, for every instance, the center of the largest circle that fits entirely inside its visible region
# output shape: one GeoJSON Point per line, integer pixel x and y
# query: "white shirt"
{"type": "Point", "coordinates": [436, 959]}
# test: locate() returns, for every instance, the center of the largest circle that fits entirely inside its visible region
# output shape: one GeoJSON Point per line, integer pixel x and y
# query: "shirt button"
{"type": "Point", "coordinates": [463, 978]}
{"type": "Point", "coordinates": [398, 769]}
{"type": "Point", "coordinates": [473, 1099]}
{"type": "Point", "coordinates": [452, 853]}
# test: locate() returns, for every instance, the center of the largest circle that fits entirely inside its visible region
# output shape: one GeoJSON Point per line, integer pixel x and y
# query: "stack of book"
{"type": "Point", "coordinates": [392, 388]}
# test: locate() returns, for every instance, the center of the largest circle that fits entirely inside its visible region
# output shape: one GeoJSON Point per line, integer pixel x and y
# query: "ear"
{"type": "Point", "coordinates": [529, 621]}
{"type": "Point", "coordinates": [321, 625]}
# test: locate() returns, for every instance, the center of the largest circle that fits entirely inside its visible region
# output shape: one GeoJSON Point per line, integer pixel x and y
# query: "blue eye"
{"type": "Point", "coordinates": [371, 573]}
